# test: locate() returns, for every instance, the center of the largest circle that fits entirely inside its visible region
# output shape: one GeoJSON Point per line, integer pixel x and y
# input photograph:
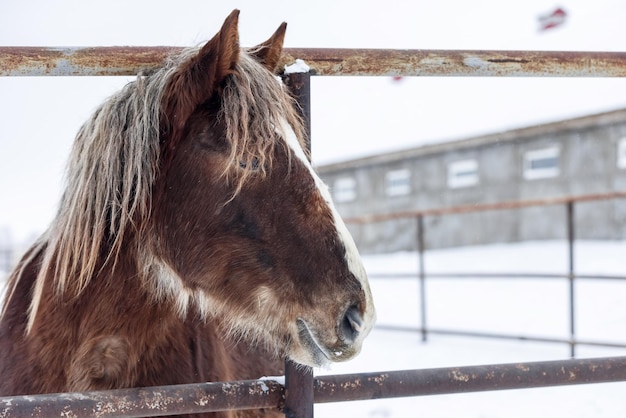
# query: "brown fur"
{"type": "Point", "coordinates": [190, 244]}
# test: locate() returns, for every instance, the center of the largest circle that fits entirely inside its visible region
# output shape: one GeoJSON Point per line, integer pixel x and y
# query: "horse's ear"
{"type": "Point", "coordinates": [223, 50]}
{"type": "Point", "coordinates": [198, 79]}
{"type": "Point", "coordinates": [268, 53]}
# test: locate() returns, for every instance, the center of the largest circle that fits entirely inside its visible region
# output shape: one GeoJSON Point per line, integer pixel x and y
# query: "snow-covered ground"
{"type": "Point", "coordinates": [517, 306]}
{"type": "Point", "coordinates": [513, 306]}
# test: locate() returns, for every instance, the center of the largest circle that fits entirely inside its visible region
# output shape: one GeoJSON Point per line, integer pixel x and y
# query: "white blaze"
{"type": "Point", "coordinates": [352, 254]}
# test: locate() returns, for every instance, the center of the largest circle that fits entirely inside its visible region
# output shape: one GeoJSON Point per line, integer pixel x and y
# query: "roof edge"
{"type": "Point", "coordinates": [573, 124]}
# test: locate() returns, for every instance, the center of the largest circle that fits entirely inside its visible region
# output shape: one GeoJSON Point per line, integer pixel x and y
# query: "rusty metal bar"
{"type": "Point", "coordinates": [205, 397]}
{"type": "Point", "coordinates": [468, 379]}
{"type": "Point", "coordinates": [148, 402]}
{"type": "Point", "coordinates": [115, 61]}
{"type": "Point", "coordinates": [300, 87]}
{"type": "Point", "coordinates": [437, 63]}
{"type": "Point", "coordinates": [299, 378]}
{"type": "Point", "coordinates": [514, 204]}
{"type": "Point", "coordinates": [98, 61]}
{"type": "Point", "coordinates": [299, 395]}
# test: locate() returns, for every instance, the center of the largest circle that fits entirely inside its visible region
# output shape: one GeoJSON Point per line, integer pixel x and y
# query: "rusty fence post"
{"type": "Point", "coordinates": [300, 86]}
{"type": "Point", "coordinates": [571, 276]}
{"type": "Point", "coordinates": [299, 393]}
{"type": "Point", "coordinates": [299, 379]}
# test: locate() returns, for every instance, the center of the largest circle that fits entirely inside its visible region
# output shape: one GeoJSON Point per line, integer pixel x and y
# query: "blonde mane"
{"type": "Point", "coordinates": [115, 164]}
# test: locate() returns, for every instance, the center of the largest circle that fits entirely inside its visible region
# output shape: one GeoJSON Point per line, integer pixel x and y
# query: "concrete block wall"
{"type": "Point", "coordinates": [587, 165]}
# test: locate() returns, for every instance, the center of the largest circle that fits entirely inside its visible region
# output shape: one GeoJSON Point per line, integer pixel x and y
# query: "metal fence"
{"type": "Point", "coordinates": [570, 274]}
{"type": "Point", "coordinates": [301, 390]}
{"type": "Point", "coordinates": [252, 394]}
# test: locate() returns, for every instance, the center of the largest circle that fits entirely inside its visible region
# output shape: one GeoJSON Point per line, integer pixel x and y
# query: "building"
{"type": "Point", "coordinates": [573, 157]}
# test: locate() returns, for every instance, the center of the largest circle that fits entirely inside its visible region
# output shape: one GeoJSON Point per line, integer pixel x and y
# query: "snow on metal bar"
{"type": "Point", "coordinates": [100, 61]}
{"type": "Point", "coordinates": [417, 62]}
{"type": "Point", "coordinates": [468, 379]}
{"type": "Point", "coordinates": [148, 402]}
{"type": "Point", "coordinates": [112, 61]}
{"type": "Point", "coordinates": [206, 397]}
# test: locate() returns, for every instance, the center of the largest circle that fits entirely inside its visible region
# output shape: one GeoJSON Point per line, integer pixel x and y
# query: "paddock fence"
{"type": "Point", "coordinates": [569, 271]}
{"type": "Point", "coordinates": [300, 390]}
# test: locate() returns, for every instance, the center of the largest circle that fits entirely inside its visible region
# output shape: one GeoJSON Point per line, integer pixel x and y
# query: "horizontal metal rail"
{"type": "Point", "coordinates": [149, 402]}
{"type": "Point", "coordinates": [212, 397]}
{"type": "Point", "coordinates": [482, 207]}
{"type": "Point", "coordinates": [468, 379]}
{"type": "Point", "coordinates": [499, 336]}
{"type": "Point", "coordinates": [492, 275]}
{"type": "Point", "coordinates": [132, 60]}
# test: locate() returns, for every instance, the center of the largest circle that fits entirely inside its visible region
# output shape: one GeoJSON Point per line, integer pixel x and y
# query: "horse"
{"type": "Point", "coordinates": [193, 242]}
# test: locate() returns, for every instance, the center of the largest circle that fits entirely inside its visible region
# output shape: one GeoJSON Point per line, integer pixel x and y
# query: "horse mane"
{"type": "Point", "coordinates": [116, 162]}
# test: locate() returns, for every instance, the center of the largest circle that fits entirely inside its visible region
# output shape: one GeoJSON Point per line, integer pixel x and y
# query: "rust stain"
{"type": "Point", "coordinates": [119, 58]}
{"type": "Point", "coordinates": [35, 61]}
{"type": "Point", "coordinates": [508, 61]}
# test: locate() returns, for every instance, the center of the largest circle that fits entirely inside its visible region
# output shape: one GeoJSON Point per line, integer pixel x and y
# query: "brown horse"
{"type": "Point", "coordinates": [193, 242]}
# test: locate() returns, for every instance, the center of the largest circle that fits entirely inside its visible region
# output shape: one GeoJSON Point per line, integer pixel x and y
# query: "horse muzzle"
{"type": "Point", "coordinates": [318, 348]}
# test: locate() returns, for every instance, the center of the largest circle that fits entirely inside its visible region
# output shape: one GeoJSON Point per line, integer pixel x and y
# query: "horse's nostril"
{"type": "Point", "coordinates": [351, 325]}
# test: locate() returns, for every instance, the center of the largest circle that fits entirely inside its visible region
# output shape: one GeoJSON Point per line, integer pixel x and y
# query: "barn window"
{"type": "Point", "coordinates": [621, 153]}
{"type": "Point", "coordinates": [541, 163]}
{"type": "Point", "coordinates": [344, 189]}
{"type": "Point", "coordinates": [463, 173]}
{"type": "Point", "coordinates": [398, 183]}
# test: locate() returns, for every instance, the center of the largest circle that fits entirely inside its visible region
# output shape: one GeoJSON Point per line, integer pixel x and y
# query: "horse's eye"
{"type": "Point", "coordinates": [254, 164]}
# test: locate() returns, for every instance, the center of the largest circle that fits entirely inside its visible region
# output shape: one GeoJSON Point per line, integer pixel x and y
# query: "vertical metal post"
{"type": "Point", "coordinates": [298, 391]}
{"type": "Point", "coordinates": [422, 275]}
{"type": "Point", "coordinates": [571, 275]}
{"type": "Point", "coordinates": [298, 378]}
{"type": "Point", "coordinates": [300, 86]}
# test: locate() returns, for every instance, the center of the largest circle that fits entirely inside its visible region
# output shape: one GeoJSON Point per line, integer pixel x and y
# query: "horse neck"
{"type": "Point", "coordinates": [115, 325]}
{"type": "Point", "coordinates": [123, 294]}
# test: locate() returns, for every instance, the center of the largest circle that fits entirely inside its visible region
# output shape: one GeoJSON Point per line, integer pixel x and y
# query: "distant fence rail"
{"type": "Point", "coordinates": [301, 390]}
{"type": "Point", "coordinates": [482, 207]}
{"type": "Point", "coordinates": [422, 274]}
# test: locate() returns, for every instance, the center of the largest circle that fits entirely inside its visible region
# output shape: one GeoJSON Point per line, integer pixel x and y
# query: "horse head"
{"type": "Point", "coordinates": [243, 228]}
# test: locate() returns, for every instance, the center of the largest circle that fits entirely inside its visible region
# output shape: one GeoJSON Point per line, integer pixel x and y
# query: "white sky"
{"type": "Point", "coordinates": [351, 116]}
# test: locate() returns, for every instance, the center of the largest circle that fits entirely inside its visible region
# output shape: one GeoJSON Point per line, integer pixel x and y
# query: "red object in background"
{"type": "Point", "coordinates": [552, 20]}
{"type": "Point", "coordinates": [398, 78]}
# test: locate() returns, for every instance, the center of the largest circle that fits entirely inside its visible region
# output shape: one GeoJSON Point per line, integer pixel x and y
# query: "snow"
{"type": "Point", "coordinates": [537, 307]}
{"type": "Point", "coordinates": [278, 379]}
{"type": "Point", "coordinates": [297, 67]}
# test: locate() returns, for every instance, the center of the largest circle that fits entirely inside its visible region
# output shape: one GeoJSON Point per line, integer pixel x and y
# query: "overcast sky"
{"type": "Point", "coordinates": [352, 117]}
